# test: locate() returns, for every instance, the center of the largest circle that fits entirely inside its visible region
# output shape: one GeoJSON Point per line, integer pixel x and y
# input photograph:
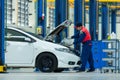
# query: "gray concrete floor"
{"type": "Point", "coordinates": [29, 74]}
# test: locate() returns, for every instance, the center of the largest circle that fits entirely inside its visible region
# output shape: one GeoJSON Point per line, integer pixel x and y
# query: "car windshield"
{"type": "Point", "coordinates": [35, 35]}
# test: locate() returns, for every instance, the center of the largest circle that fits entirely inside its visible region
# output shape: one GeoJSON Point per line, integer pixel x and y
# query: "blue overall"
{"type": "Point", "coordinates": [86, 55]}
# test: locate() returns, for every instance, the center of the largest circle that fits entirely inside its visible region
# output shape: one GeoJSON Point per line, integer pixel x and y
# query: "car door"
{"type": "Point", "coordinates": [18, 50]}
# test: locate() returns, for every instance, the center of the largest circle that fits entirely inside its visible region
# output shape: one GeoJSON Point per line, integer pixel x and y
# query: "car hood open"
{"type": "Point", "coordinates": [51, 36]}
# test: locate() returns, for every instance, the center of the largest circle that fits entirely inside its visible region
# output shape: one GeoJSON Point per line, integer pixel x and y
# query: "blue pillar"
{"type": "Point", "coordinates": [104, 21]}
{"type": "Point", "coordinates": [92, 18]}
{"type": "Point", "coordinates": [78, 16]}
{"type": "Point", "coordinates": [61, 15]}
{"type": "Point", "coordinates": [57, 12]}
{"type": "Point", "coordinates": [113, 21]}
{"type": "Point", "coordinates": [42, 15]}
{"type": "Point", "coordinates": [84, 15]}
{"type": "Point", "coordinates": [1, 32]}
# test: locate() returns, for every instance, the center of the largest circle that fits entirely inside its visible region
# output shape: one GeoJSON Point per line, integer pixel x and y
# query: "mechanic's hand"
{"type": "Point", "coordinates": [72, 37]}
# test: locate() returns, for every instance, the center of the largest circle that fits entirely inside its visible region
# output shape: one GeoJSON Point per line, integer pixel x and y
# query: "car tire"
{"type": "Point", "coordinates": [47, 62]}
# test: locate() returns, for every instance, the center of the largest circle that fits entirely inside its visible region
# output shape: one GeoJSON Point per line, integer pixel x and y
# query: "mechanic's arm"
{"type": "Point", "coordinates": [76, 35]}
{"type": "Point", "coordinates": [80, 39]}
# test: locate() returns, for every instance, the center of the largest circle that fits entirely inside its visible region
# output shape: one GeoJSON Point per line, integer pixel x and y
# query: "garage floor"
{"type": "Point", "coordinates": [29, 74]}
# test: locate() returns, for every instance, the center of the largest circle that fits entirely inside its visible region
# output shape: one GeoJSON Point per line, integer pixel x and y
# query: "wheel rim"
{"type": "Point", "coordinates": [46, 63]}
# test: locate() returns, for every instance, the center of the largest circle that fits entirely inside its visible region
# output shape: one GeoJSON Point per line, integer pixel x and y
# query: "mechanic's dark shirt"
{"type": "Point", "coordinates": [80, 36]}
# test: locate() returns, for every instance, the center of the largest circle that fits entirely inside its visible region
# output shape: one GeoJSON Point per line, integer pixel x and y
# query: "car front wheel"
{"type": "Point", "coordinates": [47, 62]}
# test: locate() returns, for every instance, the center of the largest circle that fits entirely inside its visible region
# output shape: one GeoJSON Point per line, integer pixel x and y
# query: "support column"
{"type": "Point", "coordinates": [41, 16]}
{"type": "Point", "coordinates": [57, 12]}
{"type": "Point", "coordinates": [2, 32]}
{"type": "Point", "coordinates": [61, 16]}
{"type": "Point", "coordinates": [92, 19]}
{"type": "Point", "coordinates": [78, 15]}
{"type": "Point", "coordinates": [104, 21]}
{"type": "Point", "coordinates": [113, 21]}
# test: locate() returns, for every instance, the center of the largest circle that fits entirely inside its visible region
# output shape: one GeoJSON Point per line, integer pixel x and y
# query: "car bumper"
{"type": "Point", "coordinates": [68, 60]}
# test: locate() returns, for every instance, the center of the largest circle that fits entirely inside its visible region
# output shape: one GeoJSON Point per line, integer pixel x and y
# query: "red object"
{"type": "Point", "coordinates": [43, 16]}
{"type": "Point", "coordinates": [87, 37]}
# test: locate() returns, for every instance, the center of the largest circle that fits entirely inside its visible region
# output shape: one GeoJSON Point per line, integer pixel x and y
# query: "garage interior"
{"type": "Point", "coordinates": [36, 40]}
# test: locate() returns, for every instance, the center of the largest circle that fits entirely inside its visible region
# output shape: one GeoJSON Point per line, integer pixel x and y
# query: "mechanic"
{"type": "Point", "coordinates": [84, 37]}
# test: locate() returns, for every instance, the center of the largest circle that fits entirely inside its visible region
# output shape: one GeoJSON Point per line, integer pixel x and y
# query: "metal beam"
{"type": "Point", "coordinates": [104, 21]}
{"type": "Point", "coordinates": [110, 7]}
{"type": "Point", "coordinates": [113, 21]}
{"type": "Point", "coordinates": [71, 4]}
{"type": "Point", "coordinates": [63, 10]}
{"type": "Point", "coordinates": [41, 15]}
{"type": "Point", "coordinates": [89, 0]}
{"type": "Point", "coordinates": [78, 16]}
{"type": "Point", "coordinates": [92, 18]}
{"type": "Point", "coordinates": [2, 32]}
{"type": "Point", "coordinates": [105, 0]}
{"type": "Point", "coordinates": [61, 16]}
{"type": "Point", "coordinates": [60, 11]}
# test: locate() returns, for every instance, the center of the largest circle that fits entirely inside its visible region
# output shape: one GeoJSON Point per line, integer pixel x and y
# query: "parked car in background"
{"type": "Point", "coordinates": [25, 49]}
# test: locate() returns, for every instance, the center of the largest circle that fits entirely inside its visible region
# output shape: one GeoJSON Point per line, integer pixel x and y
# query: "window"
{"type": "Point", "coordinates": [8, 11]}
{"type": "Point", "coordinates": [13, 35]}
{"type": "Point", "coordinates": [23, 13]}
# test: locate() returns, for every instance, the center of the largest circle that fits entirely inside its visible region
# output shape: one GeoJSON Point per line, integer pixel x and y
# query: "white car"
{"type": "Point", "coordinates": [25, 49]}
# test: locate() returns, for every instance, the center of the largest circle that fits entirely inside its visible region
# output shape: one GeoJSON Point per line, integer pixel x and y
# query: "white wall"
{"type": "Point", "coordinates": [118, 30]}
{"type": "Point", "coordinates": [32, 18]}
{"type": "Point", "coordinates": [71, 17]}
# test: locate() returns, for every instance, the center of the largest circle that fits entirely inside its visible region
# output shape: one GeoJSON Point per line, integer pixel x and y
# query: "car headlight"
{"type": "Point", "coordinates": [63, 50]}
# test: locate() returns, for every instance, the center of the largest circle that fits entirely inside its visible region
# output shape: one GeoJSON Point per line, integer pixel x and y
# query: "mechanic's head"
{"type": "Point", "coordinates": [78, 26]}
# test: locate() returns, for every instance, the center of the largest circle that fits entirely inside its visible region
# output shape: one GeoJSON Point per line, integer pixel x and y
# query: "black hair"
{"type": "Point", "coordinates": [78, 24]}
